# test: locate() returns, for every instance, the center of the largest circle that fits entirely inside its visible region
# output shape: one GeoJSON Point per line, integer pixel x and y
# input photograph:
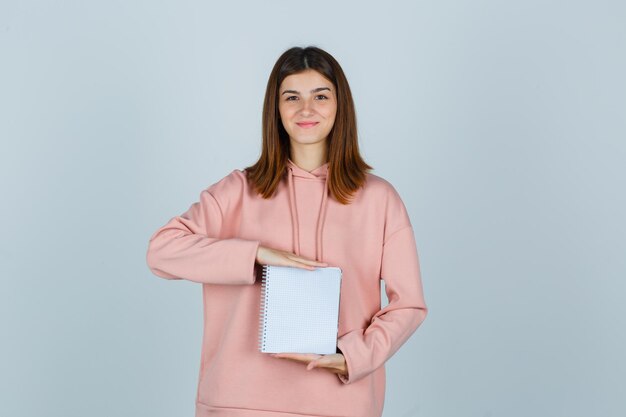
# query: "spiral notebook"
{"type": "Point", "coordinates": [299, 309]}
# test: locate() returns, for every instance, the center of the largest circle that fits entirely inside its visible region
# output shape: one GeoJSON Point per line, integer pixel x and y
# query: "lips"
{"type": "Point", "coordinates": [306, 125]}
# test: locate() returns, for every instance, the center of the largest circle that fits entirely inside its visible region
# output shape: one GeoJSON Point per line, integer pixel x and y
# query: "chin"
{"type": "Point", "coordinates": [308, 141]}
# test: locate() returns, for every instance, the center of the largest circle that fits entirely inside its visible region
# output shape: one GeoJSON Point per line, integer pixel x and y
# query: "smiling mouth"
{"type": "Point", "coordinates": [307, 125]}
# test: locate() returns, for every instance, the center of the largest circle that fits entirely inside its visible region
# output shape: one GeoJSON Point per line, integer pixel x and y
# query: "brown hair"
{"type": "Point", "coordinates": [346, 168]}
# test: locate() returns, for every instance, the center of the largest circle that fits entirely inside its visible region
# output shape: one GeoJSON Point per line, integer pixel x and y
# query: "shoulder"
{"type": "Point", "coordinates": [232, 182]}
{"type": "Point", "coordinates": [380, 190]}
{"type": "Point", "coordinates": [230, 189]}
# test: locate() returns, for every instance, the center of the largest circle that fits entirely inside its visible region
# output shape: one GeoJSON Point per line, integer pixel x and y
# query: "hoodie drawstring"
{"type": "Point", "coordinates": [320, 222]}
{"type": "Point", "coordinates": [294, 218]}
{"type": "Point", "coordinates": [294, 214]}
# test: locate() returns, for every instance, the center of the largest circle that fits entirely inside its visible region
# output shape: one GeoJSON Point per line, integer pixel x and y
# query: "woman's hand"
{"type": "Point", "coordinates": [270, 256]}
{"type": "Point", "coordinates": [334, 362]}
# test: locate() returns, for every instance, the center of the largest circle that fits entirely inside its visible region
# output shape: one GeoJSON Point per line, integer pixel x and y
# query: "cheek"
{"type": "Point", "coordinates": [330, 113]}
{"type": "Point", "coordinates": [285, 113]}
{"type": "Point", "coordinates": [330, 109]}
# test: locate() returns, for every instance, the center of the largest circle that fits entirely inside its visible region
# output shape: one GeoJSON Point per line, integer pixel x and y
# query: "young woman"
{"type": "Point", "coordinates": [307, 202]}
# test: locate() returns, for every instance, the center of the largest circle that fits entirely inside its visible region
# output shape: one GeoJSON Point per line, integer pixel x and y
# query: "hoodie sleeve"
{"type": "Point", "coordinates": [367, 349]}
{"type": "Point", "coordinates": [189, 245]}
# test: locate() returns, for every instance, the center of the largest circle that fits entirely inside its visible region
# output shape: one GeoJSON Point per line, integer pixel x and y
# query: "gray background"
{"type": "Point", "coordinates": [501, 124]}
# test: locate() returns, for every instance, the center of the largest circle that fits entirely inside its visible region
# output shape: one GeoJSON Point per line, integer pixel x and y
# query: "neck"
{"type": "Point", "coordinates": [309, 159]}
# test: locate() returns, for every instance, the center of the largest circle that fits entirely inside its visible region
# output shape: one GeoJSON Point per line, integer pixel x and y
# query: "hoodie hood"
{"type": "Point", "coordinates": [319, 173]}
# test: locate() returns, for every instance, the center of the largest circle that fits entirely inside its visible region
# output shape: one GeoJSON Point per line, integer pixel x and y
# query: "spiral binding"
{"type": "Point", "coordinates": [264, 295]}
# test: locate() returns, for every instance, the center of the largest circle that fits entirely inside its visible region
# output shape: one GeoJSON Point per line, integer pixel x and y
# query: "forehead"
{"type": "Point", "coordinates": [305, 79]}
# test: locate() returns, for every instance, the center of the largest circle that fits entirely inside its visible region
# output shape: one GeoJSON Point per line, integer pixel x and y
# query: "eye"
{"type": "Point", "coordinates": [322, 95]}
{"type": "Point", "coordinates": [290, 97]}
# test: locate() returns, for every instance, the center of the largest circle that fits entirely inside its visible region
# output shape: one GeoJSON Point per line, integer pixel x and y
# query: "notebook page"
{"type": "Point", "coordinates": [301, 309]}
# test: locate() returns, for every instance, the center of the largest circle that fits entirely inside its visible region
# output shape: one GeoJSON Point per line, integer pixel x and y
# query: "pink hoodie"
{"type": "Point", "coordinates": [215, 243]}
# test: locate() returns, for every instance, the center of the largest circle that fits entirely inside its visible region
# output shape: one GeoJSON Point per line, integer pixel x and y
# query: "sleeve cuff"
{"type": "Point", "coordinates": [345, 379]}
{"type": "Point", "coordinates": [234, 262]}
{"type": "Point", "coordinates": [249, 266]}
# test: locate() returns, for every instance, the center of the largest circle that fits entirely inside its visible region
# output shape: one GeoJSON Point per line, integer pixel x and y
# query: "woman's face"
{"type": "Point", "coordinates": [307, 103]}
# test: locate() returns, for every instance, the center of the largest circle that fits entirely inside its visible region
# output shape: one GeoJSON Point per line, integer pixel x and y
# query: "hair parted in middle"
{"type": "Point", "coordinates": [346, 168]}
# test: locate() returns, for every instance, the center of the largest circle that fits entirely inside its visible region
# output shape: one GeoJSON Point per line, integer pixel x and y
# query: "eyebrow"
{"type": "Point", "coordinates": [315, 90]}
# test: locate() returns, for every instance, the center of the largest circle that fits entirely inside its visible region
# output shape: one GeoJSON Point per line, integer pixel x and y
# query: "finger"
{"type": "Point", "coordinates": [297, 264]}
{"type": "Point", "coordinates": [303, 361]}
{"type": "Point", "coordinates": [291, 357]}
{"type": "Point", "coordinates": [300, 356]}
{"type": "Point", "coordinates": [319, 364]}
{"type": "Point", "coordinates": [302, 259]}
{"type": "Point", "coordinates": [287, 356]}
{"type": "Point", "coordinates": [288, 262]}
{"type": "Point", "coordinates": [311, 262]}
{"type": "Point", "coordinates": [305, 263]}
{"type": "Point", "coordinates": [328, 362]}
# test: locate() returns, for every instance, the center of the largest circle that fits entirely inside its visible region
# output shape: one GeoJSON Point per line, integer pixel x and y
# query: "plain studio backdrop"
{"type": "Point", "coordinates": [501, 124]}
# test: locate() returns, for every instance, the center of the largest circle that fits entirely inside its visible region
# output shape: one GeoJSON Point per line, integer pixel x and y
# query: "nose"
{"type": "Point", "coordinates": [307, 107]}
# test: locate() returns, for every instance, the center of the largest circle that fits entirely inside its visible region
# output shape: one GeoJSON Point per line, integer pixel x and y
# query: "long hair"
{"type": "Point", "coordinates": [346, 168]}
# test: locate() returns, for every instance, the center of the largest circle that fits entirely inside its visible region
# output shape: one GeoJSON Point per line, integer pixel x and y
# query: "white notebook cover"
{"type": "Point", "coordinates": [299, 309]}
